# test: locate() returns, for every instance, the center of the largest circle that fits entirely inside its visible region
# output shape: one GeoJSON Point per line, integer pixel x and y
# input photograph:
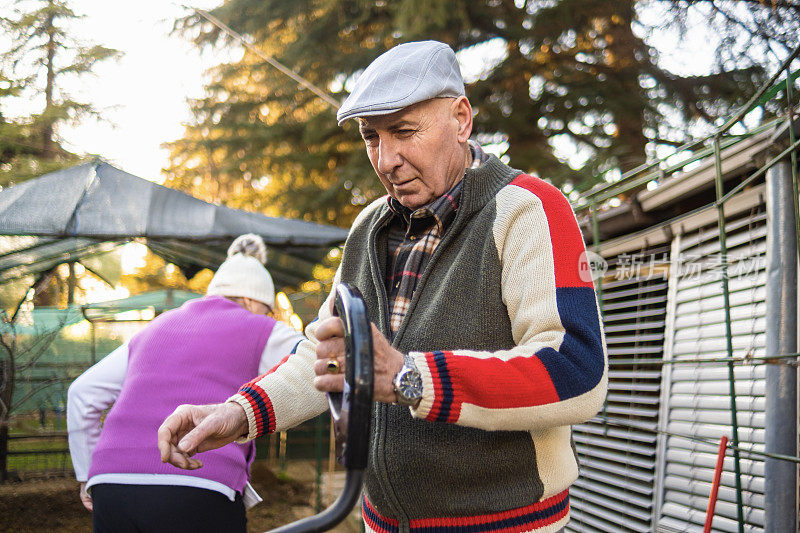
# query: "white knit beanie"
{"type": "Point", "coordinates": [243, 273]}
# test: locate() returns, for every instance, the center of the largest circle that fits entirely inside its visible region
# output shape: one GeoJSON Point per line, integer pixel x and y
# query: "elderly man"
{"type": "Point", "coordinates": [487, 341]}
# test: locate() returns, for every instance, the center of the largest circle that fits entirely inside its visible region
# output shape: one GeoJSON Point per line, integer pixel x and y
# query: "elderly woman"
{"type": "Point", "coordinates": [198, 353]}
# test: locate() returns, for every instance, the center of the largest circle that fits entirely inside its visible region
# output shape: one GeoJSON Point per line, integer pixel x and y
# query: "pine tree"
{"type": "Point", "coordinates": [576, 69]}
{"type": "Point", "coordinates": [258, 141]}
{"type": "Point", "coordinates": [41, 56]}
{"type": "Point", "coordinates": [748, 31]}
{"type": "Point", "coordinates": [571, 71]}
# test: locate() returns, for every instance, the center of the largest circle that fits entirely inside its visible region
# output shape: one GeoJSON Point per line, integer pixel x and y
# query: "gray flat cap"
{"type": "Point", "coordinates": [406, 74]}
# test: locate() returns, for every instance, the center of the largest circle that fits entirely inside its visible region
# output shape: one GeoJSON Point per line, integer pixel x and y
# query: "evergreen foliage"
{"type": "Point", "coordinates": [575, 72]}
{"type": "Point", "coordinates": [41, 55]}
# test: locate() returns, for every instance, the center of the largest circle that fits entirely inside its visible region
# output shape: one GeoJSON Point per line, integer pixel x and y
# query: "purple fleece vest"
{"type": "Point", "coordinates": [197, 354]}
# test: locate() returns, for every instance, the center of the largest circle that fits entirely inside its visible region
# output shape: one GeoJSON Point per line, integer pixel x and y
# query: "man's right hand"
{"type": "Point", "coordinates": [197, 428]}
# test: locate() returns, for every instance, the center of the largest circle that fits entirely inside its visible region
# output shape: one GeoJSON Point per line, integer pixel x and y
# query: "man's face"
{"type": "Point", "coordinates": [419, 152]}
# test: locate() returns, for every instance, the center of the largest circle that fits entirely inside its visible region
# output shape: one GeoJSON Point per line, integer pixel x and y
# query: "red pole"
{"type": "Point", "coordinates": [712, 498]}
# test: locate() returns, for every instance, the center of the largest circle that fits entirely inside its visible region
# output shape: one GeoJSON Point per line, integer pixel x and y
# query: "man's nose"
{"type": "Point", "coordinates": [389, 157]}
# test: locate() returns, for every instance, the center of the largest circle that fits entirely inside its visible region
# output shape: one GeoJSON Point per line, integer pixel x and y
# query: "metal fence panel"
{"type": "Point", "coordinates": [617, 449]}
{"type": "Point", "coordinates": [695, 401]}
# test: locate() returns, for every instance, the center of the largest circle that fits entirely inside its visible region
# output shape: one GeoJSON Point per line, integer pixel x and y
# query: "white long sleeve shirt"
{"type": "Point", "coordinates": [95, 390]}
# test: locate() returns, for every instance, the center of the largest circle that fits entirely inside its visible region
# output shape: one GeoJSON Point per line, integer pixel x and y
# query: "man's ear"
{"type": "Point", "coordinates": [462, 112]}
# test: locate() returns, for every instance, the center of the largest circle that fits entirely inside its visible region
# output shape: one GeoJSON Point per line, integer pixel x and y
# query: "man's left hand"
{"type": "Point", "coordinates": [387, 361]}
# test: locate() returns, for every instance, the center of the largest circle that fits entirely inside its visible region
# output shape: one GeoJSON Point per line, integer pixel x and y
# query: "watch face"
{"type": "Point", "coordinates": [410, 385]}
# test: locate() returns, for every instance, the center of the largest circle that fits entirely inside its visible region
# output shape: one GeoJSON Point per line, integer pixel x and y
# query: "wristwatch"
{"type": "Point", "coordinates": [408, 384]}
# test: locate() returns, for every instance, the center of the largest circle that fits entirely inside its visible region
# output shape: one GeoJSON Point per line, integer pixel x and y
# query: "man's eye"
{"type": "Point", "coordinates": [405, 132]}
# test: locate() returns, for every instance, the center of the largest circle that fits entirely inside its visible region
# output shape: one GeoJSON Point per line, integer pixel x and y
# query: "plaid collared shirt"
{"type": "Point", "coordinates": [412, 238]}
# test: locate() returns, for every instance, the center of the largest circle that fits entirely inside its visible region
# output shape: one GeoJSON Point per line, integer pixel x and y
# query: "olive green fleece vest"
{"type": "Point", "coordinates": [423, 469]}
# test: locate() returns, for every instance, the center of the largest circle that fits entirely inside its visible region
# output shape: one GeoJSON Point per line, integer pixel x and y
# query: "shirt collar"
{"type": "Point", "coordinates": [441, 211]}
{"type": "Point", "coordinates": [479, 157]}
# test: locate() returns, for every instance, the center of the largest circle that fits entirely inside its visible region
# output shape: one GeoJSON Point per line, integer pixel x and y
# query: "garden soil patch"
{"type": "Point", "coordinates": [53, 506]}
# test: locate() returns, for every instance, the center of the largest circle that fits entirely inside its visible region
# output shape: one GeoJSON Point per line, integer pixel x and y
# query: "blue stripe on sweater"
{"type": "Point", "coordinates": [294, 350]}
{"type": "Point", "coordinates": [262, 407]}
{"type": "Point", "coordinates": [578, 364]}
{"type": "Point", "coordinates": [447, 386]}
{"type": "Point", "coordinates": [379, 522]}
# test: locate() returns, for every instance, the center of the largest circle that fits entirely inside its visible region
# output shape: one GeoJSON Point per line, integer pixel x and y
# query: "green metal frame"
{"type": "Point", "coordinates": [654, 170]}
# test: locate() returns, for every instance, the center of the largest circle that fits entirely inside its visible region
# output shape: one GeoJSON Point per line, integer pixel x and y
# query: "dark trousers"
{"type": "Point", "coordinates": [157, 508]}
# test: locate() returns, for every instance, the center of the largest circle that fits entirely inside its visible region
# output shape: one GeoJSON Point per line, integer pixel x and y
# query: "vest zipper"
{"type": "Point", "coordinates": [380, 468]}
{"type": "Point", "coordinates": [377, 455]}
{"type": "Point", "coordinates": [449, 235]}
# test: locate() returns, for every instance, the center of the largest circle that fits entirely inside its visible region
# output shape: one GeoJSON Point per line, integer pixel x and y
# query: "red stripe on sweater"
{"type": "Point", "coordinates": [253, 381]}
{"type": "Point", "coordinates": [433, 414]}
{"type": "Point", "coordinates": [565, 236]}
{"type": "Point", "coordinates": [455, 412]}
{"type": "Point", "coordinates": [253, 404]}
{"type": "Point", "coordinates": [270, 422]}
{"type": "Point", "coordinates": [455, 406]}
{"type": "Point", "coordinates": [486, 522]}
{"type": "Point", "coordinates": [257, 415]}
{"type": "Point", "coordinates": [367, 510]}
{"type": "Point", "coordinates": [256, 411]}
{"type": "Point", "coordinates": [500, 387]}
{"type": "Point", "coordinates": [374, 526]}
{"type": "Point", "coordinates": [496, 517]}
{"type": "Point", "coordinates": [262, 394]}
{"type": "Point", "coordinates": [534, 524]}
{"type": "Point", "coordinates": [274, 368]}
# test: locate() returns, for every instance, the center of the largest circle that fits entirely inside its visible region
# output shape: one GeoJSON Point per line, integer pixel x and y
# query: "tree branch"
{"type": "Point", "coordinates": [41, 387]}
{"type": "Point", "coordinates": [586, 139]}
{"type": "Point", "coordinates": [667, 142]}
{"type": "Point", "coordinates": [39, 347]}
{"type": "Point", "coordinates": [774, 3]}
{"type": "Point", "coordinates": [757, 30]}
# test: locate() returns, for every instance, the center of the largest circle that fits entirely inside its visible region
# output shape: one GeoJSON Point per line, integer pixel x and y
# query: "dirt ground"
{"type": "Point", "coordinates": [53, 506]}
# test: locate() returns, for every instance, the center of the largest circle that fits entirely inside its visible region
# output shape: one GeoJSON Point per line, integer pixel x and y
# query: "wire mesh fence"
{"type": "Point", "coordinates": [687, 354]}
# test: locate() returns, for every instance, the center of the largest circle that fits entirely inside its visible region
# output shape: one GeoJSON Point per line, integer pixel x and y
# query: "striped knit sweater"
{"type": "Point", "coordinates": [509, 342]}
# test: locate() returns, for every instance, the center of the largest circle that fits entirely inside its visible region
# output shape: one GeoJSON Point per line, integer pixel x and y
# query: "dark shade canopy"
{"type": "Point", "coordinates": [94, 207]}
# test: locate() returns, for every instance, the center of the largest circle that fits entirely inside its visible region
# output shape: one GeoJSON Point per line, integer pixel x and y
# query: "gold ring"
{"type": "Point", "coordinates": [333, 366]}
